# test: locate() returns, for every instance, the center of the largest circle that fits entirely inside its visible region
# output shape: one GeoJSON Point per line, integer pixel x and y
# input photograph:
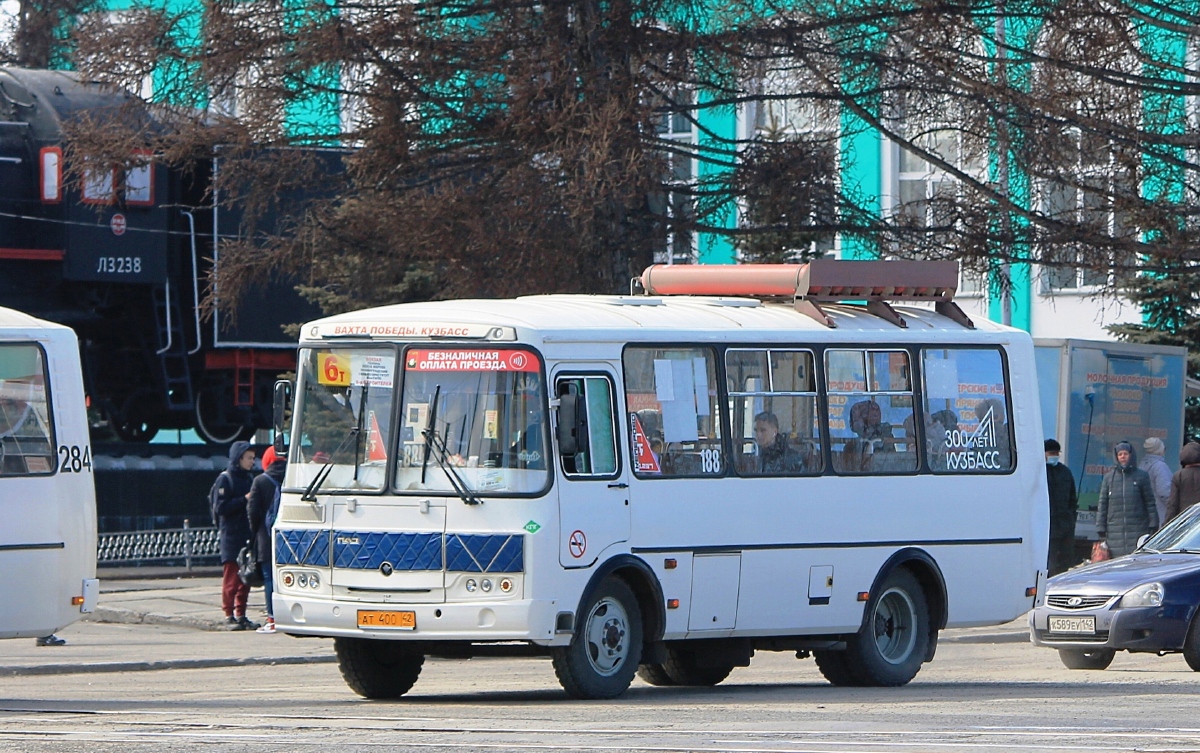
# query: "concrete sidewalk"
{"type": "Point", "coordinates": [194, 602]}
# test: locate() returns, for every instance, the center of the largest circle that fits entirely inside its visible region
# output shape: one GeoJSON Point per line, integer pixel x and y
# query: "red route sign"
{"type": "Point", "coordinates": [474, 359]}
{"type": "Point", "coordinates": [577, 544]}
{"type": "Point", "coordinates": [117, 223]}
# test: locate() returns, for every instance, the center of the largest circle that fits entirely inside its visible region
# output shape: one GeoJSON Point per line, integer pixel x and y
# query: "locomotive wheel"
{"type": "Point", "coordinates": [133, 422]}
{"type": "Point", "coordinates": [217, 420]}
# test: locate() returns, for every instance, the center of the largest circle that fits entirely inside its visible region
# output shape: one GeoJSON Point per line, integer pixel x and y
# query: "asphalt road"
{"type": "Point", "coordinates": [973, 697]}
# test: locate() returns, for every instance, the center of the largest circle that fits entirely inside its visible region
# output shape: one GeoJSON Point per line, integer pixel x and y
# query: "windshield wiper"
{"type": "Point", "coordinates": [429, 424]}
{"type": "Point", "coordinates": [1183, 550]}
{"type": "Point", "coordinates": [310, 494]}
{"type": "Point", "coordinates": [436, 446]}
{"type": "Point", "coordinates": [358, 428]}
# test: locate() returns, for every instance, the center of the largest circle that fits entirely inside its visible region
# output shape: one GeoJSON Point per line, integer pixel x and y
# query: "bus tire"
{"type": "Point", "coordinates": [1077, 658]}
{"type": "Point", "coordinates": [604, 652]}
{"type": "Point", "coordinates": [377, 669]}
{"type": "Point", "coordinates": [890, 647]}
{"type": "Point", "coordinates": [834, 668]}
{"type": "Point", "coordinates": [655, 674]}
{"type": "Point", "coordinates": [685, 668]}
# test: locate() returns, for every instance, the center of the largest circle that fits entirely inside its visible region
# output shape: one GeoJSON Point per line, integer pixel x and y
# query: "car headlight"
{"type": "Point", "coordinates": [1145, 595]}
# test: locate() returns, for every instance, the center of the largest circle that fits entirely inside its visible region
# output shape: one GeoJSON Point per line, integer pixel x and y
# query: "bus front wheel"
{"type": "Point", "coordinates": [604, 652]}
{"type": "Point", "coordinates": [377, 669]}
{"type": "Point", "coordinates": [890, 647]}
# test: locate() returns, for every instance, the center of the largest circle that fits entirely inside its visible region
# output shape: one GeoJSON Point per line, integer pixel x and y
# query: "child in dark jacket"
{"type": "Point", "coordinates": [261, 511]}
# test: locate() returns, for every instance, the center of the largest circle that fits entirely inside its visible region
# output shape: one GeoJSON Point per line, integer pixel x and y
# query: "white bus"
{"type": "Point", "coordinates": [663, 483]}
{"type": "Point", "coordinates": [47, 496]}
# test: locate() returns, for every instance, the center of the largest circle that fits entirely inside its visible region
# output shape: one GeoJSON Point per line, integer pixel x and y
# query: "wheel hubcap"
{"type": "Point", "coordinates": [895, 626]}
{"type": "Point", "coordinates": [605, 631]}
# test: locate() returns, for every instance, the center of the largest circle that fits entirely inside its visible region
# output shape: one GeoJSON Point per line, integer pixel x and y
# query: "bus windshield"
{"type": "Point", "coordinates": [344, 412]}
{"type": "Point", "coordinates": [474, 418]}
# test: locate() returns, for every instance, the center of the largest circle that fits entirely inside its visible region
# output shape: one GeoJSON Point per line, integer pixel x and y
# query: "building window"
{"type": "Point", "coordinates": [796, 139]}
{"type": "Point", "coordinates": [674, 124]}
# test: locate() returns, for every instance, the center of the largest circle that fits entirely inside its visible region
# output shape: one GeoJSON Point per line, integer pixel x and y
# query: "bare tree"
{"type": "Point", "coordinates": [510, 146]}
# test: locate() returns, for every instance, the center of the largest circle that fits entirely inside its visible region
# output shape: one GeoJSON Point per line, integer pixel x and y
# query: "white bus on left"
{"type": "Point", "coordinates": [47, 494]}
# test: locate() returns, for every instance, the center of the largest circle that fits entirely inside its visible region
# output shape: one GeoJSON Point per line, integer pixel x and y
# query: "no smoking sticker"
{"type": "Point", "coordinates": [577, 544]}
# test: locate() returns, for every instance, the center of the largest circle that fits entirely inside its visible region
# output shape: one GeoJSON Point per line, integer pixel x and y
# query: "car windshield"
{"type": "Point", "coordinates": [1181, 533]}
{"type": "Point", "coordinates": [344, 412]}
{"type": "Point", "coordinates": [484, 412]}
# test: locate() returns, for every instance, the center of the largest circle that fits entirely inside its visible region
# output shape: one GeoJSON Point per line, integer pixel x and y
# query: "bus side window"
{"type": "Point", "coordinates": [597, 453]}
{"type": "Point", "coordinates": [26, 437]}
{"type": "Point", "coordinates": [672, 411]}
{"type": "Point", "coordinates": [773, 408]}
{"type": "Point", "coordinates": [871, 420]}
{"type": "Point", "coordinates": [966, 410]}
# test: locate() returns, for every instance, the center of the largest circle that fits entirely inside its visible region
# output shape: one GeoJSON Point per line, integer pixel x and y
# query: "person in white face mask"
{"type": "Point", "coordinates": [1063, 506]}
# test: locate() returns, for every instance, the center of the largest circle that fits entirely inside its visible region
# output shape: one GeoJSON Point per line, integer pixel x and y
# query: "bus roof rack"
{"type": "Point", "coordinates": [819, 281]}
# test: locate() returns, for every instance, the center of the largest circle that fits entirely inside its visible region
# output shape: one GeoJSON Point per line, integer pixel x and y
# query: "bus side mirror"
{"type": "Point", "coordinates": [283, 403]}
{"type": "Point", "coordinates": [570, 419]}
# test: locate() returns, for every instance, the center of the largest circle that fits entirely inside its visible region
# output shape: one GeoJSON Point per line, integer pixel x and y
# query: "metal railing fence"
{"type": "Point", "coordinates": [185, 544]}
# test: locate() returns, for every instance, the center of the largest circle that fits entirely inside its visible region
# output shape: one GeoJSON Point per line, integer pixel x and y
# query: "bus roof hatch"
{"type": "Point", "coordinates": [819, 281]}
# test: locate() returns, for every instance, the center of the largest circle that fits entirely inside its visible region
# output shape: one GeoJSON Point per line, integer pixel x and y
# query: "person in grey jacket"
{"type": "Point", "coordinates": [1185, 484]}
{"type": "Point", "coordinates": [1127, 509]}
{"type": "Point", "coordinates": [1160, 474]}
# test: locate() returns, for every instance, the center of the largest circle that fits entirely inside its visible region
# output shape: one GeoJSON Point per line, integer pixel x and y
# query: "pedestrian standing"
{"type": "Point", "coordinates": [1126, 511]}
{"type": "Point", "coordinates": [1185, 484]}
{"type": "Point", "coordinates": [261, 510]}
{"type": "Point", "coordinates": [1160, 474]}
{"type": "Point", "coordinates": [1063, 507]}
{"type": "Point", "coordinates": [229, 507]}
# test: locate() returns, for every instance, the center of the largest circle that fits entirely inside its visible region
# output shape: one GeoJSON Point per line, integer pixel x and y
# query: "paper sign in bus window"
{"type": "Point", "coordinates": [941, 378]}
{"type": "Point", "coordinates": [700, 372]}
{"type": "Point", "coordinates": [372, 370]}
{"type": "Point", "coordinates": [664, 381]}
{"type": "Point", "coordinates": [680, 415]}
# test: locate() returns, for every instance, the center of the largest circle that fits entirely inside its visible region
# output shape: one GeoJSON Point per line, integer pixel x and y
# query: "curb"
{"type": "Point", "coordinates": [143, 666]}
{"type": "Point", "coordinates": [1022, 637]}
{"type": "Point", "coordinates": [130, 617]}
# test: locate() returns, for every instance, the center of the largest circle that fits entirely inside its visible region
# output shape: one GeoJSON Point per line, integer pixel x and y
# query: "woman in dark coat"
{"type": "Point", "coordinates": [1127, 510]}
{"type": "Point", "coordinates": [261, 510]}
{"type": "Point", "coordinates": [233, 486]}
{"type": "Point", "coordinates": [1185, 484]}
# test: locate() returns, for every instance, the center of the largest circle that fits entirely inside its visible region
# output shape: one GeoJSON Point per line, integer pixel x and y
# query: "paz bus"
{"type": "Point", "coordinates": [730, 460]}
{"type": "Point", "coordinates": [47, 497]}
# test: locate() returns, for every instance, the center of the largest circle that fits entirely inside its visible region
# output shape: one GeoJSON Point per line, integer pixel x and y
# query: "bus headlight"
{"type": "Point", "coordinates": [486, 585]}
{"type": "Point", "coordinates": [471, 585]}
{"type": "Point", "coordinates": [302, 580]}
{"type": "Point", "coordinates": [1145, 595]}
{"type": "Point", "coordinates": [314, 581]}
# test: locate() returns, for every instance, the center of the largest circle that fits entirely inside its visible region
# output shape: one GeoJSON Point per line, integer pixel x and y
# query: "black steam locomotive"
{"type": "Point", "coordinates": [123, 259]}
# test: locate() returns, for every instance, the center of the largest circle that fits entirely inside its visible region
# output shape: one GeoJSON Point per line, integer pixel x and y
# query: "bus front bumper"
{"type": "Point", "coordinates": [480, 621]}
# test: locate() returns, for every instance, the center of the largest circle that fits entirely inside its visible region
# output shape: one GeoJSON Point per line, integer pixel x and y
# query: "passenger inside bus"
{"type": "Point", "coordinates": [774, 454]}
{"type": "Point", "coordinates": [24, 439]}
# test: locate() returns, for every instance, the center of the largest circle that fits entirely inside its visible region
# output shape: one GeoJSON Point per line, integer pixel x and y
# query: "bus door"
{"type": "Point", "coordinates": [593, 492]}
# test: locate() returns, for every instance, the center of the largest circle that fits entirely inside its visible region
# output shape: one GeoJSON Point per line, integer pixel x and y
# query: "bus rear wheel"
{"type": "Point", "coordinates": [377, 669]}
{"type": "Point", "coordinates": [687, 667]}
{"type": "Point", "coordinates": [890, 647]}
{"type": "Point", "coordinates": [606, 647]}
{"type": "Point", "coordinates": [1074, 658]}
{"type": "Point", "coordinates": [834, 668]}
